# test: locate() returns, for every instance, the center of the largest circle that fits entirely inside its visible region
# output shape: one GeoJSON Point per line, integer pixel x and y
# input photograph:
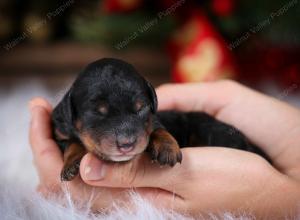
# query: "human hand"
{"type": "Point", "coordinates": [220, 179]}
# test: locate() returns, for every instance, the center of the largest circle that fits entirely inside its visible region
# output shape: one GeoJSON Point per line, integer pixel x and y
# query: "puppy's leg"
{"type": "Point", "coordinates": [164, 148]}
{"type": "Point", "coordinates": [72, 157]}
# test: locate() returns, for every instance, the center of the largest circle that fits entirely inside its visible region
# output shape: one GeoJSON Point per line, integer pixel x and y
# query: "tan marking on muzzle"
{"type": "Point", "coordinates": [88, 141]}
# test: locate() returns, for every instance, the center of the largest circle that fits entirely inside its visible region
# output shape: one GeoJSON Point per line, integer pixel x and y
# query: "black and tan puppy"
{"type": "Point", "coordinates": [110, 110]}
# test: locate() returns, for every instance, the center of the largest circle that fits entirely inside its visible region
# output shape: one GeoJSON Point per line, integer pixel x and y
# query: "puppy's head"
{"type": "Point", "coordinates": [112, 108]}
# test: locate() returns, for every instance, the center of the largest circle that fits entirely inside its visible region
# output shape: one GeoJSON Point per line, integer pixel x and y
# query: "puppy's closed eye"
{"type": "Point", "coordinates": [139, 105]}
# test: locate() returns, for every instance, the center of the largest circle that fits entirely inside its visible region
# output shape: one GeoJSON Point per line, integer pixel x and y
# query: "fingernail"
{"type": "Point", "coordinates": [94, 170]}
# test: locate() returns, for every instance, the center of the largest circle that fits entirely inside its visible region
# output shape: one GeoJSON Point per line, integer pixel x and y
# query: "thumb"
{"type": "Point", "coordinates": [139, 172]}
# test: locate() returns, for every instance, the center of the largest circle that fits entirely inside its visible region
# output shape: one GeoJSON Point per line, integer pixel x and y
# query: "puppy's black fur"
{"type": "Point", "coordinates": [192, 129]}
{"type": "Point", "coordinates": [111, 111]}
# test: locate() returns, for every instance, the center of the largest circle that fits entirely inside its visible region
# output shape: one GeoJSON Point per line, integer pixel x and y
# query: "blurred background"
{"type": "Point", "coordinates": [44, 44]}
{"type": "Point", "coordinates": [178, 40]}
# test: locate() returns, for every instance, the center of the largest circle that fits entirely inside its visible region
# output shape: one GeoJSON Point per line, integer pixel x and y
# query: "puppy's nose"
{"type": "Point", "coordinates": [126, 145]}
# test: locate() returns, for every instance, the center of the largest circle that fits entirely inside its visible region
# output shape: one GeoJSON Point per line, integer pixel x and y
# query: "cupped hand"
{"type": "Point", "coordinates": [221, 179]}
{"type": "Point", "coordinates": [209, 179]}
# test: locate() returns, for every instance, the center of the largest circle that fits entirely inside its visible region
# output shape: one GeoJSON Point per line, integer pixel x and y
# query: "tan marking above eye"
{"type": "Point", "coordinates": [88, 141]}
{"type": "Point", "coordinates": [103, 108]}
{"type": "Point", "coordinates": [139, 104]}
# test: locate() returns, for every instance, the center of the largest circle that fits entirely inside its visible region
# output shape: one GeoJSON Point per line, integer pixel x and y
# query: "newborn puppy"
{"type": "Point", "coordinates": [111, 111]}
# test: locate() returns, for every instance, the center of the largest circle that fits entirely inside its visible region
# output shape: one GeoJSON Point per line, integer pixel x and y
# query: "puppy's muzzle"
{"type": "Point", "coordinates": [126, 144]}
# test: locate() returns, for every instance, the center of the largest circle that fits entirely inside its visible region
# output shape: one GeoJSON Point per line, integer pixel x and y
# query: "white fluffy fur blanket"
{"type": "Point", "coordinates": [18, 199]}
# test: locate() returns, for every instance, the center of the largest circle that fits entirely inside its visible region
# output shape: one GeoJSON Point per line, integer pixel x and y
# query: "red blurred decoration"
{"type": "Point", "coordinates": [112, 6]}
{"type": "Point", "coordinates": [270, 62]}
{"type": "Point", "coordinates": [223, 7]}
{"type": "Point", "coordinates": [198, 52]}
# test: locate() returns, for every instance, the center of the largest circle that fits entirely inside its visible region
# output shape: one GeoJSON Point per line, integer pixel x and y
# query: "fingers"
{"type": "Point", "coordinates": [207, 97]}
{"type": "Point", "coordinates": [105, 198]}
{"type": "Point", "coordinates": [38, 101]}
{"type": "Point", "coordinates": [46, 154]}
{"type": "Point", "coordinates": [152, 182]}
{"type": "Point", "coordinates": [200, 166]}
{"type": "Point", "coordinates": [139, 172]}
{"type": "Point", "coordinates": [255, 114]}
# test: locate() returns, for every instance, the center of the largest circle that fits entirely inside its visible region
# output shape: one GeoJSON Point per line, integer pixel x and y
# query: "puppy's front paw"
{"type": "Point", "coordinates": [163, 148]}
{"type": "Point", "coordinates": [69, 171]}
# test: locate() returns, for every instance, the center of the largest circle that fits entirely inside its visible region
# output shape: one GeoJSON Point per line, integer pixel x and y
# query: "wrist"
{"type": "Point", "coordinates": [279, 200]}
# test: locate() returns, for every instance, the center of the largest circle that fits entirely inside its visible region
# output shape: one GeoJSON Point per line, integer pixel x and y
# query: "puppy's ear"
{"type": "Point", "coordinates": [153, 97]}
{"type": "Point", "coordinates": [63, 115]}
